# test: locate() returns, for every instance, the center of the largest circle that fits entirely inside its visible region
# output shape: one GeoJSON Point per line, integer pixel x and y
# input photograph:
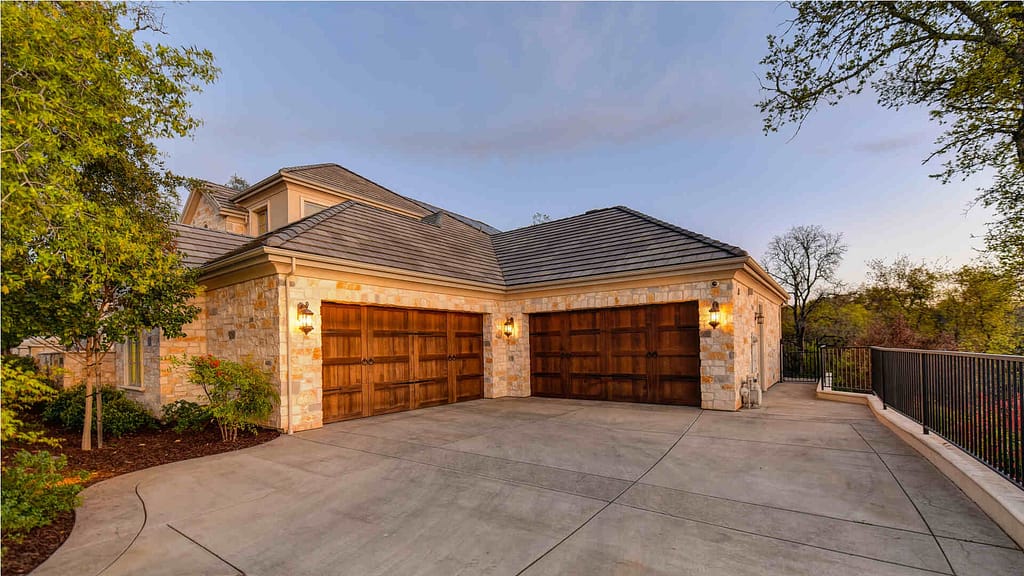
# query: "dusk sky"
{"type": "Point", "coordinates": [498, 111]}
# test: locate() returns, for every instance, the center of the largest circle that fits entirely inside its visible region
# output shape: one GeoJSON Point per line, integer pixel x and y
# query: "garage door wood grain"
{"type": "Point", "coordinates": [378, 360]}
{"type": "Point", "coordinates": [629, 354]}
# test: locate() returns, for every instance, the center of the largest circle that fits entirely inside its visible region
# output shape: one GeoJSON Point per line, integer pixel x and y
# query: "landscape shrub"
{"type": "Point", "coordinates": [22, 389]}
{"type": "Point", "coordinates": [121, 414]}
{"type": "Point", "coordinates": [240, 393]}
{"type": "Point", "coordinates": [35, 492]}
{"type": "Point", "coordinates": [185, 416]}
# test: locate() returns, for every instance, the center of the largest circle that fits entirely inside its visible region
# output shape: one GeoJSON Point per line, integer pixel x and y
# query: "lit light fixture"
{"type": "Point", "coordinates": [715, 315]}
{"type": "Point", "coordinates": [508, 327]}
{"type": "Point", "coordinates": [305, 318]}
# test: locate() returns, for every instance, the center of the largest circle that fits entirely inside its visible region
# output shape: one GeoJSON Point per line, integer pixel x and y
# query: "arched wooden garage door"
{"type": "Point", "coordinates": [378, 360]}
{"type": "Point", "coordinates": [632, 354]}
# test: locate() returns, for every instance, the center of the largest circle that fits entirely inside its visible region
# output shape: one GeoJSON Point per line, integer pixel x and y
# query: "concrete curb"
{"type": "Point", "coordinates": [997, 496]}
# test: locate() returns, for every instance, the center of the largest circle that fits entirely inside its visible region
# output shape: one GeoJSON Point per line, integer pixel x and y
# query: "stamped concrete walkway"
{"type": "Point", "coordinates": [535, 486]}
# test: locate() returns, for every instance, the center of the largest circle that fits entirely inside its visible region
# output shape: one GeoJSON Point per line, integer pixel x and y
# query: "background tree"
{"type": "Point", "coordinates": [964, 61]}
{"type": "Point", "coordinates": [540, 218]}
{"type": "Point", "coordinates": [88, 255]}
{"type": "Point", "coordinates": [901, 297]}
{"type": "Point", "coordinates": [237, 182]}
{"type": "Point", "coordinates": [982, 310]}
{"type": "Point", "coordinates": [804, 261]}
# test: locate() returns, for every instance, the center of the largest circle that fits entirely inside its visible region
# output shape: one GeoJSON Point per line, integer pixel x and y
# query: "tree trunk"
{"type": "Point", "coordinates": [99, 407]}
{"type": "Point", "coordinates": [87, 424]}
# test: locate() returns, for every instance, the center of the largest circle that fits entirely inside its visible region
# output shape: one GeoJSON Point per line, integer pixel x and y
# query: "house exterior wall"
{"type": "Point", "coordinates": [507, 360]}
{"type": "Point", "coordinates": [207, 215]}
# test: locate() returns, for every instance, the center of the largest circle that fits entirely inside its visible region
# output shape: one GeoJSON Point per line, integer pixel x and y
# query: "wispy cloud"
{"type": "Point", "coordinates": [892, 143]}
{"type": "Point", "coordinates": [595, 84]}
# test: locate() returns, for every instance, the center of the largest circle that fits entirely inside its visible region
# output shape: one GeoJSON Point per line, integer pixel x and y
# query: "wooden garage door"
{"type": "Point", "coordinates": [634, 354]}
{"type": "Point", "coordinates": [378, 360]}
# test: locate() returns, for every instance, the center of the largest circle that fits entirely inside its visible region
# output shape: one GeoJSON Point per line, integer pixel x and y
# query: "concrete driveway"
{"type": "Point", "coordinates": [536, 486]}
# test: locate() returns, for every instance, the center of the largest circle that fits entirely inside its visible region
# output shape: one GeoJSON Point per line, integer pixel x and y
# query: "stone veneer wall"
{"type": "Point", "coordinates": [255, 320]}
{"type": "Point", "coordinates": [507, 361]}
{"type": "Point", "coordinates": [207, 215]}
{"type": "Point", "coordinates": [243, 324]}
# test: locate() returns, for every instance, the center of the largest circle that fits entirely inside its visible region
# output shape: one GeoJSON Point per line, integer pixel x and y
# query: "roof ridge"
{"type": "Point", "coordinates": [307, 166]}
{"type": "Point", "coordinates": [562, 219]}
{"type": "Point", "coordinates": [736, 250]}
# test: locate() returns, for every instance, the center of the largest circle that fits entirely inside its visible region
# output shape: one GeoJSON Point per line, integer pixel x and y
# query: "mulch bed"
{"type": "Point", "coordinates": [119, 456]}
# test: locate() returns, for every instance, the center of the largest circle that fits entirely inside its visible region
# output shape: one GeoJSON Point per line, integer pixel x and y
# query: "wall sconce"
{"type": "Point", "coordinates": [759, 316]}
{"type": "Point", "coordinates": [508, 327]}
{"type": "Point", "coordinates": [305, 318]}
{"type": "Point", "coordinates": [714, 315]}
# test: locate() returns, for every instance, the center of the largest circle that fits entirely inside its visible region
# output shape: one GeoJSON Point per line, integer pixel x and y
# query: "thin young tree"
{"type": "Point", "coordinates": [88, 256]}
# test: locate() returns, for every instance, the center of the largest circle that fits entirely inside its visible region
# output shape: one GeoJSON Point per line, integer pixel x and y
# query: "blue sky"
{"type": "Point", "coordinates": [499, 111]}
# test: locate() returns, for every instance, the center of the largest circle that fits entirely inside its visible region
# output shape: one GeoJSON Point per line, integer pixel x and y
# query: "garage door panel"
{"type": "Point", "coordinates": [684, 391]}
{"type": "Point", "coordinates": [622, 389]}
{"type": "Point", "coordinates": [685, 340]}
{"type": "Point", "coordinates": [432, 392]}
{"type": "Point", "coordinates": [551, 363]}
{"type": "Point", "coordinates": [586, 363]}
{"type": "Point", "coordinates": [637, 354]}
{"type": "Point", "coordinates": [586, 387]}
{"type": "Point", "coordinates": [589, 341]}
{"type": "Point", "coordinates": [379, 360]}
{"type": "Point", "coordinates": [469, 387]}
{"type": "Point", "coordinates": [627, 363]}
{"type": "Point", "coordinates": [547, 385]}
{"type": "Point", "coordinates": [341, 405]}
{"type": "Point", "coordinates": [678, 366]}
{"type": "Point", "coordinates": [391, 398]}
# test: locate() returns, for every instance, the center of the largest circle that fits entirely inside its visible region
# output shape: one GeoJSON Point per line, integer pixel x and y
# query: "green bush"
{"type": "Point", "coordinates": [121, 414]}
{"type": "Point", "coordinates": [24, 363]}
{"type": "Point", "coordinates": [21, 390]}
{"type": "Point", "coordinates": [187, 416]}
{"type": "Point", "coordinates": [241, 395]}
{"type": "Point", "coordinates": [35, 492]}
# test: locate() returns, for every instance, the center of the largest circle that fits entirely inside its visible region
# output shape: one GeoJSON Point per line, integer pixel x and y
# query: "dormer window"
{"type": "Point", "coordinates": [262, 224]}
{"type": "Point", "coordinates": [310, 208]}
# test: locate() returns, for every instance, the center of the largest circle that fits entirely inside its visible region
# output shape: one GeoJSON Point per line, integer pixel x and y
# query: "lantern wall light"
{"type": "Point", "coordinates": [508, 327]}
{"type": "Point", "coordinates": [714, 315]}
{"type": "Point", "coordinates": [305, 318]}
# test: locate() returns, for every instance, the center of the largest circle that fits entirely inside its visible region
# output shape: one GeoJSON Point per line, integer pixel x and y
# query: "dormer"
{"type": "Point", "coordinates": [291, 194]}
{"type": "Point", "coordinates": [210, 206]}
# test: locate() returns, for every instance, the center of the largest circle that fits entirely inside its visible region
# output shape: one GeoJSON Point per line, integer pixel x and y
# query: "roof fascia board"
{"type": "Point", "coordinates": [729, 265]}
{"type": "Point", "coordinates": [765, 278]}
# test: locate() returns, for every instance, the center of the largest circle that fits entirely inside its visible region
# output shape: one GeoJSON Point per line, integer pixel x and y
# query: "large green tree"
{"type": "Point", "coordinates": [88, 256]}
{"type": "Point", "coordinates": [963, 61]}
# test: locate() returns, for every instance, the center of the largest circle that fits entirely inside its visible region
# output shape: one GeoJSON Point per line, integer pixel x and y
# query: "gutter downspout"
{"type": "Point", "coordinates": [288, 343]}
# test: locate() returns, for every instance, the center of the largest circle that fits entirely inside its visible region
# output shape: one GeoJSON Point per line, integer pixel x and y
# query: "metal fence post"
{"type": "Point", "coordinates": [924, 393]}
{"type": "Point", "coordinates": [821, 366]}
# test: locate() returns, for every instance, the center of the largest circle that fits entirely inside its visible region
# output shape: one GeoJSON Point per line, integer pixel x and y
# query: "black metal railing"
{"type": "Point", "coordinates": [974, 401]}
{"type": "Point", "coordinates": [846, 369]}
{"type": "Point", "coordinates": [800, 363]}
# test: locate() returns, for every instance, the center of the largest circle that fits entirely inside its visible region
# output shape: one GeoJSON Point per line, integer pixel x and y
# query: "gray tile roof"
{"type": "Point", "coordinates": [341, 178]}
{"type": "Point", "coordinates": [201, 245]}
{"type": "Point", "coordinates": [222, 196]}
{"type": "Point", "coordinates": [437, 244]}
{"type": "Point", "coordinates": [599, 242]}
